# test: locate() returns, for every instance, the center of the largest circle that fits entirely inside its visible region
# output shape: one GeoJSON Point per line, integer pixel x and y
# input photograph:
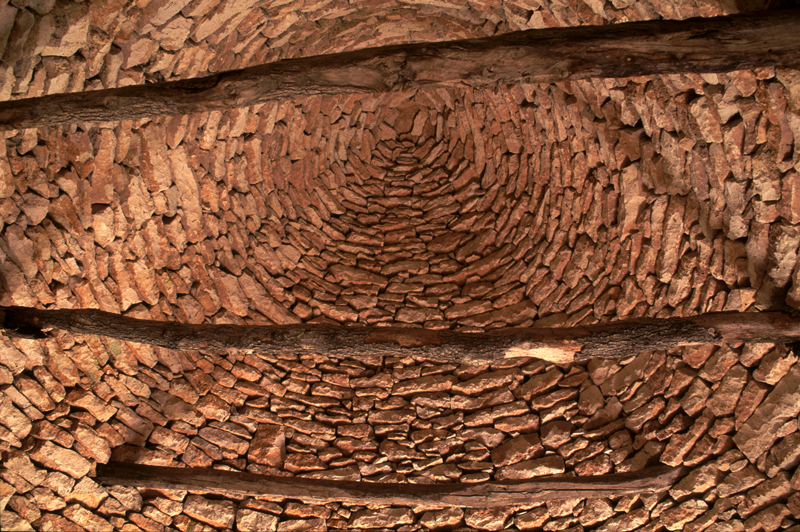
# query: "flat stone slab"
{"type": "Point", "coordinates": [782, 404]}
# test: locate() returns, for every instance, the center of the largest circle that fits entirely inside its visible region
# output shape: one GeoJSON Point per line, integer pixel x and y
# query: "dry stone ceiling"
{"type": "Point", "coordinates": [445, 208]}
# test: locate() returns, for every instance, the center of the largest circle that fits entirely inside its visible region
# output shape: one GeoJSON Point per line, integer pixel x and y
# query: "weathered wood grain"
{"type": "Point", "coordinates": [557, 345]}
{"type": "Point", "coordinates": [479, 495]}
{"type": "Point", "coordinates": [719, 44]}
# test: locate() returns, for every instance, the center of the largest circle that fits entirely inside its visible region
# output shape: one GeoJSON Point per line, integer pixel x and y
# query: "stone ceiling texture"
{"type": "Point", "coordinates": [563, 204]}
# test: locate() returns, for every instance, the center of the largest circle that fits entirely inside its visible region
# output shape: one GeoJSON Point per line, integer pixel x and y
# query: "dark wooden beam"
{"type": "Point", "coordinates": [480, 495]}
{"type": "Point", "coordinates": [557, 345]}
{"type": "Point", "coordinates": [719, 44]}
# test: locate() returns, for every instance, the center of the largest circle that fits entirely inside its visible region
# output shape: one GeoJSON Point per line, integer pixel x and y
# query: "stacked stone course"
{"type": "Point", "coordinates": [529, 205]}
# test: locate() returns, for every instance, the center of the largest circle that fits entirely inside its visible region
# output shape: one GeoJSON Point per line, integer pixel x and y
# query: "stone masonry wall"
{"type": "Point", "coordinates": [529, 205]}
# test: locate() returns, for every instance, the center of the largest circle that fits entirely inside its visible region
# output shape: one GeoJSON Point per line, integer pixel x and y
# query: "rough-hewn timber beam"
{"type": "Point", "coordinates": [560, 345]}
{"type": "Point", "coordinates": [719, 44]}
{"type": "Point", "coordinates": [481, 495]}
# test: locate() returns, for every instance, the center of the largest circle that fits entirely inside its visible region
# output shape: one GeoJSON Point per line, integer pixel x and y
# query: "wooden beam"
{"type": "Point", "coordinates": [314, 491]}
{"type": "Point", "coordinates": [558, 345]}
{"type": "Point", "coordinates": [719, 44]}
